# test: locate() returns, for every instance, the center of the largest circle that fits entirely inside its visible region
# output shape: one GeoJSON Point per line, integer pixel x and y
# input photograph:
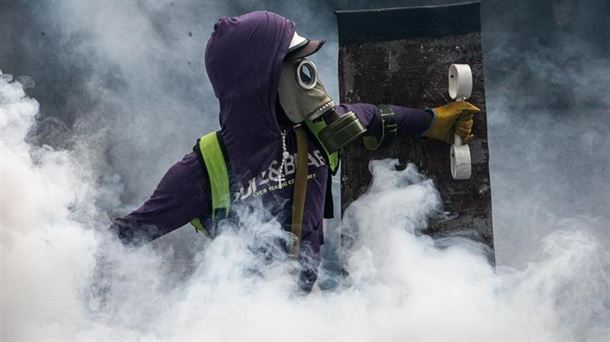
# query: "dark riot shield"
{"type": "Point", "coordinates": [401, 56]}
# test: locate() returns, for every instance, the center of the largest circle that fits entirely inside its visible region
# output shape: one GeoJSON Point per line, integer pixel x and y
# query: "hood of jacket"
{"type": "Point", "coordinates": [243, 59]}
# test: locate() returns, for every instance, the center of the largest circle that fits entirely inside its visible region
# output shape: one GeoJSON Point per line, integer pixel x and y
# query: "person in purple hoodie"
{"type": "Point", "coordinates": [267, 89]}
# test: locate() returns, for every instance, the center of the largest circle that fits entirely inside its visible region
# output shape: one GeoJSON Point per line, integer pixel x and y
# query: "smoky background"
{"type": "Point", "coordinates": [122, 84]}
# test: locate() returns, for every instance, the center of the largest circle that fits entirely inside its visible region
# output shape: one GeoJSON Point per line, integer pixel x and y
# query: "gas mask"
{"type": "Point", "coordinates": [304, 99]}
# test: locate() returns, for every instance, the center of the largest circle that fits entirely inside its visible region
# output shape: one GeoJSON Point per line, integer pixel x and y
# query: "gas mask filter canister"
{"type": "Point", "coordinates": [304, 99]}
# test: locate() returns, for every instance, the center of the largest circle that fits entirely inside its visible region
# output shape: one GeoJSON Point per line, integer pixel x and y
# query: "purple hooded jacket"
{"type": "Point", "coordinates": [243, 60]}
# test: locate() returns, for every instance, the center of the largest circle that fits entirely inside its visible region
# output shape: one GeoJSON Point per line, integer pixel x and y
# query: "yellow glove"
{"type": "Point", "coordinates": [450, 119]}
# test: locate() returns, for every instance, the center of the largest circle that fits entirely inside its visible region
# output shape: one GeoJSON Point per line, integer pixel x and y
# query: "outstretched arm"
{"type": "Point", "coordinates": [408, 120]}
{"type": "Point", "coordinates": [181, 196]}
{"type": "Point", "coordinates": [439, 123]}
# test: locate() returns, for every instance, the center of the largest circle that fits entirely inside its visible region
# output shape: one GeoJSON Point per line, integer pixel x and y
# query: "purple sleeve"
{"type": "Point", "coordinates": [409, 120]}
{"type": "Point", "coordinates": [180, 197]}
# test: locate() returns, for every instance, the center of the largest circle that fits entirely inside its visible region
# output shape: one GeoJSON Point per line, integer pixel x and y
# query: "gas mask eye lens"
{"type": "Point", "coordinates": [307, 74]}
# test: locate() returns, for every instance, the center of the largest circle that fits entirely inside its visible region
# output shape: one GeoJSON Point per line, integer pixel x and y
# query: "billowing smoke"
{"type": "Point", "coordinates": [400, 285]}
{"type": "Point", "coordinates": [547, 78]}
{"type": "Point", "coordinates": [123, 95]}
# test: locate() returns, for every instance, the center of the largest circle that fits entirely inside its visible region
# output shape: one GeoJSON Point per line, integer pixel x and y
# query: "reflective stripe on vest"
{"type": "Point", "coordinates": [215, 163]}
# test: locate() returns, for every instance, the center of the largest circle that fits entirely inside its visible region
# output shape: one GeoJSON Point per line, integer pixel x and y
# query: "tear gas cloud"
{"type": "Point", "coordinates": [400, 283]}
{"type": "Point", "coordinates": [111, 98]}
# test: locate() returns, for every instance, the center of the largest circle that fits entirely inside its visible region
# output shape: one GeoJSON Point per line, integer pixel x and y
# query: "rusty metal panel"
{"type": "Point", "coordinates": [401, 56]}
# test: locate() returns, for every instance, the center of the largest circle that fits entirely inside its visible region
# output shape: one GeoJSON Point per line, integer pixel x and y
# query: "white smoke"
{"type": "Point", "coordinates": [64, 278]}
{"type": "Point", "coordinates": [46, 250]}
